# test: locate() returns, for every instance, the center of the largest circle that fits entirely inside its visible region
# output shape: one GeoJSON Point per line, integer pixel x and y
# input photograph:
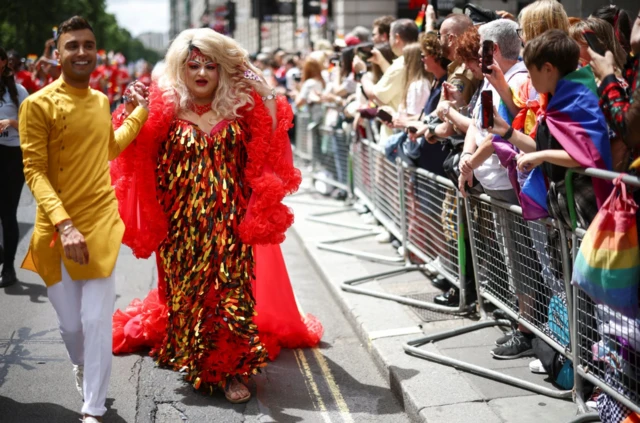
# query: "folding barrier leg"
{"type": "Point", "coordinates": [350, 285]}
{"type": "Point", "coordinates": [411, 348]}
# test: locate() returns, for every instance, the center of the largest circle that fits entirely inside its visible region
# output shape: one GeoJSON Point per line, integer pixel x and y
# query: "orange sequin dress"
{"type": "Point", "coordinates": [207, 268]}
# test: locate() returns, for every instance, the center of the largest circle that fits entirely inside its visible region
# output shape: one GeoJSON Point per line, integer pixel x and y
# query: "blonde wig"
{"type": "Point", "coordinates": [233, 91]}
{"type": "Point", "coordinates": [541, 16]}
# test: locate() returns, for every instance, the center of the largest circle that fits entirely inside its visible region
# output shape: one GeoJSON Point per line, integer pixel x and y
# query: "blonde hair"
{"type": "Point", "coordinates": [541, 16]}
{"type": "Point", "coordinates": [413, 67]}
{"type": "Point", "coordinates": [233, 91]}
{"type": "Point", "coordinates": [605, 34]}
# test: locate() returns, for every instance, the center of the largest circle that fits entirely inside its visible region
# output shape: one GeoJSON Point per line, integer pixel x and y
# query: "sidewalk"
{"type": "Point", "coordinates": [429, 391]}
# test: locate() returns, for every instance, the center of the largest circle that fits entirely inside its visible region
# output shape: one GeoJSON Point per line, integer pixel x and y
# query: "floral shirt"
{"type": "Point", "coordinates": [620, 104]}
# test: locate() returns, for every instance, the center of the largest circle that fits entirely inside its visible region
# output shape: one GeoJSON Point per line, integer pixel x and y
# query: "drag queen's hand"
{"type": "Point", "coordinates": [257, 81]}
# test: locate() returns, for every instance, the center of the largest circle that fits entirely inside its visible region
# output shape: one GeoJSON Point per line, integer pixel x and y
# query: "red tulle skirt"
{"type": "Point", "coordinates": [143, 323]}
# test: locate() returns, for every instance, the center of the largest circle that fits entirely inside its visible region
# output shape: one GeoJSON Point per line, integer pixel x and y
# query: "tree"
{"type": "Point", "coordinates": [26, 25]}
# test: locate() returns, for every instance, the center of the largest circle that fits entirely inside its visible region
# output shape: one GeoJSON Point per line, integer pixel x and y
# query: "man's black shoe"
{"type": "Point", "coordinates": [450, 298]}
{"type": "Point", "coordinates": [8, 278]}
{"type": "Point", "coordinates": [441, 283]}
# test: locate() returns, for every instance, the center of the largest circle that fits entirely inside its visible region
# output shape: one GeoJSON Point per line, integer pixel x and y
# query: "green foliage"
{"type": "Point", "coordinates": [25, 25]}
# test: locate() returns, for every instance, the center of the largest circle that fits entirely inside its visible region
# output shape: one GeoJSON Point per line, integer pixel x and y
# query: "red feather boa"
{"type": "Point", "coordinates": [269, 173]}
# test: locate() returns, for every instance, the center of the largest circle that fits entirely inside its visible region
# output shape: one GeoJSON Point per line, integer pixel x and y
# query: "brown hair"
{"type": "Point", "coordinates": [384, 24]}
{"type": "Point", "coordinates": [387, 53]}
{"type": "Point", "coordinates": [432, 47]}
{"type": "Point", "coordinates": [554, 47]}
{"type": "Point", "coordinates": [413, 67]}
{"type": "Point", "coordinates": [468, 46]}
{"type": "Point", "coordinates": [75, 23]}
{"type": "Point", "coordinates": [312, 70]}
{"type": "Point", "coordinates": [605, 34]}
{"type": "Point", "coordinates": [541, 16]}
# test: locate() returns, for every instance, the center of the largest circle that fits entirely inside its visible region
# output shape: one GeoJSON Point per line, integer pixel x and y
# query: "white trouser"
{"type": "Point", "coordinates": [85, 312]}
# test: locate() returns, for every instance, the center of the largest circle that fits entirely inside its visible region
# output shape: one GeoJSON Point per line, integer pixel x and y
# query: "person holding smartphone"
{"type": "Point", "coordinates": [621, 106]}
{"type": "Point", "coordinates": [12, 95]}
{"type": "Point", "coordinates": [389, 89]}
{"type": "Point", "coordinates": [479, 159]}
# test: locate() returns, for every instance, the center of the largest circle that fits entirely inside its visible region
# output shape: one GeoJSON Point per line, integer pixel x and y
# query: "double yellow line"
{"type": "Point", "coordinates": [312, 386]}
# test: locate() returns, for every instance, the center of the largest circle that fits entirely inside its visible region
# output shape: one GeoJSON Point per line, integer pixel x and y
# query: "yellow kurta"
{"type": "Point", "coordinates": [67, 141]}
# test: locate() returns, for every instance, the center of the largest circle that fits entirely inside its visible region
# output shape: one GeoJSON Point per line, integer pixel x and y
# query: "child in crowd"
{"type": "Point", "coordinates": [572, 132]}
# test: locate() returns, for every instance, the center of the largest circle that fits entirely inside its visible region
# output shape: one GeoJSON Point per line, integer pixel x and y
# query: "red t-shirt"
{"type": "Point", "coordinates": [25, 79]}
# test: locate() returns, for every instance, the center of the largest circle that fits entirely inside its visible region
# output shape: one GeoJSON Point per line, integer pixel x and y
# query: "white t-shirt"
{"type": "Point", "coordinates": [491, 174]}
{"type": "Point", "coordinates": [417, 95]}
{"type": "Point", "coordinates": [310, 85]}
{"type": "Point", "coordinates": [9, 137]}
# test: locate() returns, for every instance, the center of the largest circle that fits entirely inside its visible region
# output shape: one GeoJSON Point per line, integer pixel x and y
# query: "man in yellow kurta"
{"type": "Point", "coordinates": [67, 142]}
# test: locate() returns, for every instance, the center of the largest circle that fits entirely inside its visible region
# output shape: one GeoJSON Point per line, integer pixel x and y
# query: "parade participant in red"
{"type": "Point", "coordinates": [22, 76]}
{"type": "Point", "coordinates": [209, 172]}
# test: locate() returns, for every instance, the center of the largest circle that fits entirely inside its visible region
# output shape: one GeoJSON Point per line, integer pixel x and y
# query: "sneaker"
{"type": "Point", "coordinates": [78, 371]}
{"type": "Point", "coordinates": [518, 346]}
{"type": "Point", "coordinates": [401, 251]}
{"type": "Point", "coordinates": [383, 237]}
{"type": "Point", "coordinates": [504, 339]}
{"type": "Point", "coordinates": [361, 208]}
{"type": "Point", "coordinates": [536, 367]}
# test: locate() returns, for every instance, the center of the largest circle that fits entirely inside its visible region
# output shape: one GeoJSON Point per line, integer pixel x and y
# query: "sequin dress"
{"type": "Point", "coordinates": [207, 269]}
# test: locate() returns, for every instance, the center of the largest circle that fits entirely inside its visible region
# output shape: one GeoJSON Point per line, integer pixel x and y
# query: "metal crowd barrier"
{"type": "Point", "coordinates": [523, 268]}
{"type": "Point", "coordinates": [416, 207]}
{"type": "Point", "coordinates": [303, 130]}
{"type": "Point", "coordinates": [366, 173]}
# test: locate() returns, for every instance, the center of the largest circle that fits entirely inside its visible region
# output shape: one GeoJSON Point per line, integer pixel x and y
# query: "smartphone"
{"type": "Point", "coordinates": [486, 100]}
{"type": "Point", "coordinates": [384, 116]}
{"type": "Point", "coordinates": [364, 51]}
{"type": "Point", "coordinates": [487, 56]}
{"type": "Point", "coordinates": [593, 42]}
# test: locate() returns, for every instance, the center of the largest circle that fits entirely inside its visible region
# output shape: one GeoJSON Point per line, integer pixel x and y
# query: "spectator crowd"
{"type": "Point", "coordinates": [520, 99]}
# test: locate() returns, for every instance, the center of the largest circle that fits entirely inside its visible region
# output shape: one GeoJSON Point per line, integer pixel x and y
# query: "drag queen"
{"type": "Point", "coordinates": [202, 187]}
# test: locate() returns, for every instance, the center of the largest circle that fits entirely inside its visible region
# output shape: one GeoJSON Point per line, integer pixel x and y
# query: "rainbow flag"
{"type": "Point", "coordinates": [420, 20]}
{"type": "Point", "coordinates": [574, 118]}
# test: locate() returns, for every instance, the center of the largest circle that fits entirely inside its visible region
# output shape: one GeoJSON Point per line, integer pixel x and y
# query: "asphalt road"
{"type": "Point", "coordinates": [336, 382]}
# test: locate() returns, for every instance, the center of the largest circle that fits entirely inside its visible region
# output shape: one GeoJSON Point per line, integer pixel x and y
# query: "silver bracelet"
{"type": "Point", "coordinates": [270, 96]}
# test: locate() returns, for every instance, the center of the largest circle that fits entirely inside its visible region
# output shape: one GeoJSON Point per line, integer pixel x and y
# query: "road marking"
{"type": "Point", "coordinates": [303, 365]}
{"type": "Point", "coordinates": [333, 386]}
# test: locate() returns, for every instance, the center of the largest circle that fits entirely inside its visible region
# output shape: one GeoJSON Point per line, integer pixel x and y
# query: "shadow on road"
{"type": "Point", "coordinates": [41, 412]}
{"type": "Point", "coordinates": [34, 291]}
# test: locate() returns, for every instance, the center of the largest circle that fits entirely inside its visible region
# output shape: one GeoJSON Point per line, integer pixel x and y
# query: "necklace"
{"type": "Point", "coordinates": [200, 110]}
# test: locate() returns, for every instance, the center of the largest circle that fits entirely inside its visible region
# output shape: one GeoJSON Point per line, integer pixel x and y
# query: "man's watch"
{"type": "Point", "coordinates": [431, 129]}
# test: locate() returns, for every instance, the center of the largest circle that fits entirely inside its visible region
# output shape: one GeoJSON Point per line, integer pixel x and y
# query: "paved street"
{"type": "Point", "coordinates": [337, 382]}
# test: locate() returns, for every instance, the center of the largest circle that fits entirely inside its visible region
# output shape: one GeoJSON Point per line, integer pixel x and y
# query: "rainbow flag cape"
{"type": "Point", "coordinates": [574, 118]}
